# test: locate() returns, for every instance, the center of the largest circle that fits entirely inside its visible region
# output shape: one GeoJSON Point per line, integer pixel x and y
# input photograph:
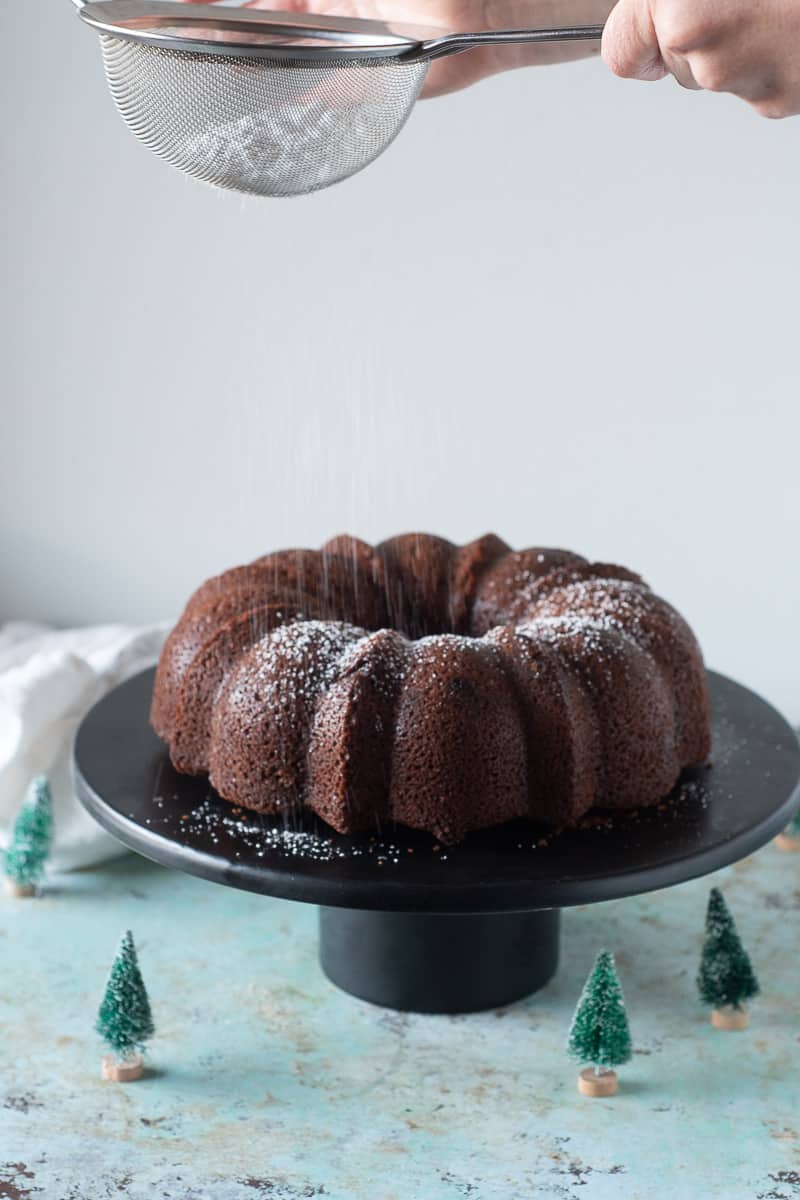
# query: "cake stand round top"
{"type": "Point", "coordinates": [713, 817]}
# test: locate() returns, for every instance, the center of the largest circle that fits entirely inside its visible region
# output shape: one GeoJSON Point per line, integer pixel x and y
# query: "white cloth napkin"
{"type": "Point", "coordinates": [49, 679]}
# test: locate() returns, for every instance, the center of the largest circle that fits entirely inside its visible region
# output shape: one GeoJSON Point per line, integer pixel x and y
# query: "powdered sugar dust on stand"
{"type": "Point", "coordinates": [410, 924]}
{"type": "Point", "coordinates": [272, 104]}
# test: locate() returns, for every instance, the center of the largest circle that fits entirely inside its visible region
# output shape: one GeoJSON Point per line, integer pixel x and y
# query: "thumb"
{"type": "Point", "coordinates": [630, 46]}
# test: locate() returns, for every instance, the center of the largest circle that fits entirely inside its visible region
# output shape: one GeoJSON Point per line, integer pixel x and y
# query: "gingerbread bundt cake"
{"type": "Point", "coordinates": [447, 688]}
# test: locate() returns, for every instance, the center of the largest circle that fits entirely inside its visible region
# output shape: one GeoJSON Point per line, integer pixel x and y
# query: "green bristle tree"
{"type": "Point", "coordinates": [599, 1033]}
{"type": "Point", "coordinates": [792, 830]}
{"type": "Point", "coordinates": [124, 1019]}
{"type": "Point", "coordinates": [30, 838]}
{"type": "Point", "coordinates": [726, 978]}
{"type": "Point", "coordinates": [789, 838]}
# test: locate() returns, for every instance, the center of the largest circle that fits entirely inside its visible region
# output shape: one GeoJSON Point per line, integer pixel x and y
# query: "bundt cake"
{"type": "Point", "coordinates": [447, 688]}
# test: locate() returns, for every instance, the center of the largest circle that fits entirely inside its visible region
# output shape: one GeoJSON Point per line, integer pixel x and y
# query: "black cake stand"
{"type": "Point", "coordinates": [414, 925]}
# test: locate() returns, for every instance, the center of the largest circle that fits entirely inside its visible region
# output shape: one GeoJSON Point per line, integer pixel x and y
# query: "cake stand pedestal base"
{"type": "Point", "coordinates": [438, 963]}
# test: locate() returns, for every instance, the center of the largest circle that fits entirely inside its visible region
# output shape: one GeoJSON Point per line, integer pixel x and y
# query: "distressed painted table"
{"type": "Point", "coordinates": [266, 1083]}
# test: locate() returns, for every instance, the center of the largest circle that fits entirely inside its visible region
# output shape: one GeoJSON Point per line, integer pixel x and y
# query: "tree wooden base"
{"type": "Point", "coordinates": [785, 841]}
{"type": "Point", "coordinates": [729, 1018]}
{"type": "Point", "coordinates": [122, 1072]}
{"type": "Point", "coordinates": [19, 889]}
{"type": "Point", "coordinates": [590, 1084]}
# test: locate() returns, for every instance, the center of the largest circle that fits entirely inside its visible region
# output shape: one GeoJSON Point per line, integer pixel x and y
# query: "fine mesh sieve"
{"type": "Point", "coordinates": [272, 104]}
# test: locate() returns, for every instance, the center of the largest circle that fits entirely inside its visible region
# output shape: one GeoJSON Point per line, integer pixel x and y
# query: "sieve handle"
{"type": "Point", "coordinates": [455, 43]}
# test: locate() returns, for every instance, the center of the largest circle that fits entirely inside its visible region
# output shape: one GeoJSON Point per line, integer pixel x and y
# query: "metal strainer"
{"type": "Point", "coordinates": [273, 104]}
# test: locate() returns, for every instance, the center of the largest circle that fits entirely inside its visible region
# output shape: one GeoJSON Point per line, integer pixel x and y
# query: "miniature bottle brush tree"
{"type": "Point", "coordinates": [124, 1020]}
{"type": "Point", "coordinates": [790, 838]}
{"type": "Point", "coordinates": [30, 840]}
{"type": "Point", "coordinates": [726, 978]}
{"type": "Point", "coordinates": [599, 1033]}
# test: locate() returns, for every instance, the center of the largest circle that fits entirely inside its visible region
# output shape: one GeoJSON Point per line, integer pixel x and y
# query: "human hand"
{"type": "Point", "coordinates": [455, 16]}
{"type": "Point", "coordinates": [749, 49]}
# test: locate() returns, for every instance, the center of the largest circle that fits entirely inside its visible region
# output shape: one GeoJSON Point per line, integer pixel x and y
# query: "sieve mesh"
{"type": "Point", "coordinates": [258, 125]}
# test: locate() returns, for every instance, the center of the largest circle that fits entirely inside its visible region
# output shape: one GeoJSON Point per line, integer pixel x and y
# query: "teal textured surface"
{"type": "Point", "coordinates": [266, 1083]}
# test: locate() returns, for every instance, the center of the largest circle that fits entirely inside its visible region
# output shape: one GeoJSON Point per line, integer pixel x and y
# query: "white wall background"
{"type": "Point", "coordinates": [562, 307]}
